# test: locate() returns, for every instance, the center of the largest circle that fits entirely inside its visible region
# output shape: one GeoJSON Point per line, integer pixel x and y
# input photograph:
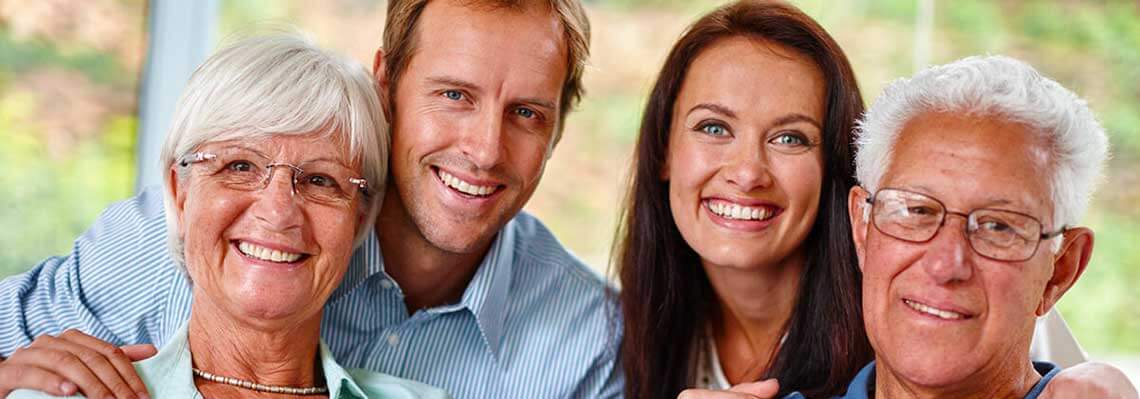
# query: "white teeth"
{"type": "Point", "coordinates": [263, 253]}
{"type": "Point", "coordinates": [464, 187]}
{"type": "Point", "coordinates": [735, 211]}
{"type": "Point", "coordinates": [939, 313]}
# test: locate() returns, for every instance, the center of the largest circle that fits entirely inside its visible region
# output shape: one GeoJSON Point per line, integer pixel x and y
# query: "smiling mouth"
{"type": "Point", "coordinates": [933, 311]}
{"type": "Point", "coordinates": [464, 187]}
{"type": "Point", "coordinates": [733, 211]}
{"type": "Point", "coordinates": [268, 255]}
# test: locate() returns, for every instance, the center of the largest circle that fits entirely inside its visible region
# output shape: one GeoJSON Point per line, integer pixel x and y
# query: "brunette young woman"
{"type": "Point", "coordinates": [735, 253]}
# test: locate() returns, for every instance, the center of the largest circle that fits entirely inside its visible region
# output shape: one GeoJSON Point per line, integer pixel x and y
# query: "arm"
{"type": "Point", "coordinates": [111, 285]}
{"type": "Point", "coordinates": [605, 379]}
{"type": "Point", "coordinates": [114, 286]}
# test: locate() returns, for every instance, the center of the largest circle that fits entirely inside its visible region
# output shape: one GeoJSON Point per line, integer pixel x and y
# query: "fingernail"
{"type": "Point", "coordinates": [67, 388]}
{"type": "Point", "coordinates": [143, 396]}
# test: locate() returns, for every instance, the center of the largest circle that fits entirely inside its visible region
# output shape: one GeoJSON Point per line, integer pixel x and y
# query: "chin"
{"type": "Point", "coordinates": [934, 368]}
{"type": "Point", "coordinates": [271, 311]}
{"type": "Point", "coordinates": [457, 242]}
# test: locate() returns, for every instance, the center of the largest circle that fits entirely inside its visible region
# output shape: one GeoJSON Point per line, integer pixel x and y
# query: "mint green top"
{"type": "Point", "coordinates": [168, 375]}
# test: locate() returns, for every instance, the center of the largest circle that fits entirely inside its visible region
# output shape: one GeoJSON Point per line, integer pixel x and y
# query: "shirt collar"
{"type": "Point", "coordinates": [486, 295]}
{"type": "Point", "coordinates": [169, 374]}
{"type": "Point", "coordinates": [341, 385]}
{"type": "Point", "coordinates": [366, 262]}
{"type": "Point", "coordinates": [863, 385]}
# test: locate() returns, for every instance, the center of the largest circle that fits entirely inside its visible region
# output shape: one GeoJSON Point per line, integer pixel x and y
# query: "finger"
{"type": "Point", "coordinates": [139, 352]}
{"type": "Point", "coordinates": [104, 360]}
{"type": "Point", "coordinates": [24, 376]}
{"type": "Point", "coordinates": [711, 394]}
{"type": "Point", "coordinates": [763, 389]}
{"type": "Point", "coordinates": [123, 369]}
{"type": "Point", "coordinates": [65, 365]}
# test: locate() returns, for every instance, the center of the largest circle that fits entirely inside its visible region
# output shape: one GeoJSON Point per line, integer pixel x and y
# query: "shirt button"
{"type": "Point", "coordinates": [393, 339]}
{"type": "Point", "coordinates": [385, 284]}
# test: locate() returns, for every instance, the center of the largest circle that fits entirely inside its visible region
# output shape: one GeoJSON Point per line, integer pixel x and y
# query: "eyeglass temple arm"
{"type": "Point", "coordinates": [1062, 230]}
{"type": "Point", "coordinates": [195, 158]}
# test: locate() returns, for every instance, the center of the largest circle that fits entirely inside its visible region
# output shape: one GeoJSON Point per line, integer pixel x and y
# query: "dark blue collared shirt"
{"type": "Point", "coordinates": [863, 385]}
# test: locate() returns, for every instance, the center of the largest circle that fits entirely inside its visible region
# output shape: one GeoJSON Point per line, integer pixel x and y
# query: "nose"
{"type": "Point", "coordinates": [948, 257]}
{"type": "Point", "coordinates": [483, 145]}
{"type": "Point", "coordinates": [747, 166]}
{"type": "Point", "coordinates": [276, 205]}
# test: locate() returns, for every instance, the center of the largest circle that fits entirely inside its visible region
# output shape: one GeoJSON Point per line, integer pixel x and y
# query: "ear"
{"type": "Point", "coordinates": [1068, 265]}
{"type": "Point", "coordinates": [856, 206]}
{"type": "Point", "coordinates": [380, 73]}
{"type": "Point", "coordinates": [178, 193]}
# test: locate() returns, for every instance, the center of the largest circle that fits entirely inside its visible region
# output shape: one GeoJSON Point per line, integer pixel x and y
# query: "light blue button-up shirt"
{"type": "Point", "coordinates": [534, 322]}
{"type": "Point", "coordinates": [169, 375]}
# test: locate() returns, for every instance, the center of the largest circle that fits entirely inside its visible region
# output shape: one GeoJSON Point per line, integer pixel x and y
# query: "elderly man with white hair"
{"type": "Point", "coordinates": [973, 179]}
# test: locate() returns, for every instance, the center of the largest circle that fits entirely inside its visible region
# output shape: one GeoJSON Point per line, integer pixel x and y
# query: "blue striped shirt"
{"type": "Point", "coordinates": [534, 322]}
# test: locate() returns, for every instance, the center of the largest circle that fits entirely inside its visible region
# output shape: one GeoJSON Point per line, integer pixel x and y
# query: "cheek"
{"type": "Point", "coordinates": [528, 155]}
{"type": "Point", "coordinates": [207, 217]}
{"type": "Point", "coordinates": [1014, 294]}
{"type": "Point", "coordinates": [801, 177]}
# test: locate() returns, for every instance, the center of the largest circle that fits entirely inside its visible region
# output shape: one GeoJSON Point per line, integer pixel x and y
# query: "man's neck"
{"type": "Point", "coordinates": [1010, 379]}
{"type": "Point", "coordinates": [754, 307]}
{"type": "Point", "coordinates": [427, 275]}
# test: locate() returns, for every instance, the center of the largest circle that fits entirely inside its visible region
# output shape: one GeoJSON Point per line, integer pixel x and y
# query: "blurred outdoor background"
{"type": "Point", "coordinates": [70, 73]}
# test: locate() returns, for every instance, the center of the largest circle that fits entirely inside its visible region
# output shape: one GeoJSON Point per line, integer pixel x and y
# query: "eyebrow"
{"type": "Point", "coordinates": [793, 118]}
{"type": "Point", "coordinates": [783, 120]}
{"type": "Point", "coordinates": [989, 201]}
{"type": "Point", "coordinates": [714, 107]}
{"type": "Point", "coordinates": [450, 81]}
{"type": "Point", "coordinates": [266, 156]}
{"type": "Point", "coordinates": [453, 82]}
{"type": "Point", "coordinates": [538, 102]}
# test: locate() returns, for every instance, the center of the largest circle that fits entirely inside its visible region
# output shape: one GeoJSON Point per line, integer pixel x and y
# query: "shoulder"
{"type": "Point", "coordinates": [542, 259]}
{"type": "Point", "coordinates": [129, 232]}
{"type": "Point", "coordinates": [552, 289]}
{"type": "Point", "coordinates": [378, 385]}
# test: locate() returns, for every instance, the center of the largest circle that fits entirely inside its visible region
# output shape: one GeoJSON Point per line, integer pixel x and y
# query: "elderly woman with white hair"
{"type": "Point", "coordinates": [973, 180]}
{"type": "Point", "coordinates": [275, 166]}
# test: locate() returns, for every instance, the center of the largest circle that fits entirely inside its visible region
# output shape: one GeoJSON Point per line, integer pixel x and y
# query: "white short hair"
{"type": "Point", "coordinates": [996, 87]}
{"type": "Point", "coordinates": [280, 84]}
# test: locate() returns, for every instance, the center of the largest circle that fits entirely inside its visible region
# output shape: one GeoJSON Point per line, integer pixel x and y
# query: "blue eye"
{"type": "Point", "coordinates": [525, 112]}
{"type": "Point", "coordinates": [788, 139]}
{"type": "Point", "coordinates": [713, 129]}
{"type": "Point", "coordinates": [453, 95]}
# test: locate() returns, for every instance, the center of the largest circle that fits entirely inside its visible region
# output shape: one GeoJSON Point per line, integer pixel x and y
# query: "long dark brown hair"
{"type": "Point", "coordinates": [666, 298]}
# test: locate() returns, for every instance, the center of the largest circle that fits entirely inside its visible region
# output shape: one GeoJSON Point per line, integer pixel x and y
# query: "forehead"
{"type": "Point", "coordinates": [755, 75]}
{"type": "Point", "coordinates": [485, 44]}
{"type": "Point", "coordinates": [311, 145]}
{"type": "Point", "coordinates": [973, 161]}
